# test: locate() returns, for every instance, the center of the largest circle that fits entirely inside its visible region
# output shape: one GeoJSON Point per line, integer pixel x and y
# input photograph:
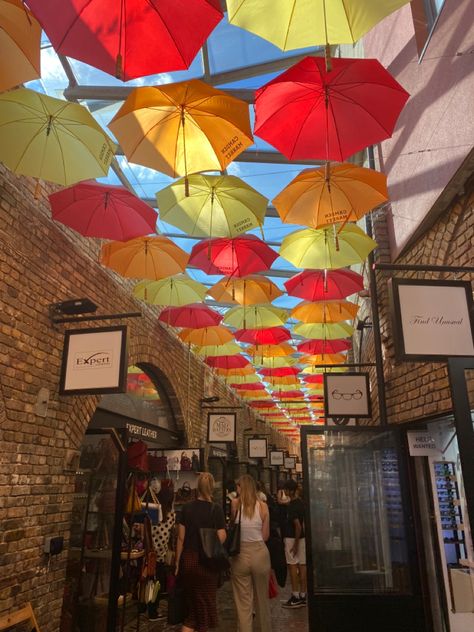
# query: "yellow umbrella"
{"type": "Point", "coordinates": [172, 291]}
{"type": "Point", "coordinates": [144, 257]}
{"type": "Point", "coordinates": [245, 370]}
{"type": "Point", "coordinates": [270, 351]}
{"type": "Point", "coordinates": [216, 335]}
{"type": "Point", "coordinates": [316, 370]}
{"type": "Point", "coordinates": [242, 379]}
{"type": "Point", "coordinates": [324, 311]}
{"type": "Point", "coordinates": [286, 387]}
{"type": "Point", "coordinates": [338, 193]}
{"type": "Point", "coordinates": [182, 128]}
{"type": "Point", "coordinates": [216, 206]}
{"type": "Point", "coordinates": [254, 394]}
{"type": "Point", "coordinates": [20, 41]}
{"type": "Point", "coordinates": [324, 331]}
{"type": "Point", "coordinates": [52, 139]}
{"type": "Point", "coordinates": [290, 380]}
{"type": "Point", "coordinates": [256, 317]}
{"type": "Point", "coordinates": [247, 290]}
{"type": "Point", "coordinates": [227, 349]}
{"type": "Point", "coordinates": [328, 358]}
{"type": "Point", "coordinates": [327, 248]}
{"type": "Point", "coordinates": [274, 363]}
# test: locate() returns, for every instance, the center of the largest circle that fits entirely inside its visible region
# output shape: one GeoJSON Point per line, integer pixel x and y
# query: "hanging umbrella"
{"type": "Point", "coordinates": [286, 387]}
{"type": "Point", "coordinates": [228, 362]}
{"type": "Point", "coordinates": [245, 371]}
{"type": "Point", "coordinates": [256, 316]}
{"type": "Point", "coordinates": [332, 358]}
{"type": "Point", "coordinates": [182, 128]}
{"type": "Point", "coordinates": [324, 311]}
{"type": "Point", "coordinates": [233, 379]}
{"type": "Point", "coordinates": [274, 363]}
{"type": "Point", "coordinates": [52, 139]}
{"type": "Point", "coordinates": [338, 193]}
{"type": "Point", "coordinates": [312, 370]}
{"type": "Point", "coordinates": [247, 290]}
{"type": "Point", "coordinates": [280, 372]}
{"type": "Point", "coordinates": [105, 211]}
{"type": "Point", "coordinates": [144, 257]}
{"type": "Point", "coordinates": [324, 347]}
{"type": "Point", "coordinates": [254, 395]}
{"type": "Point", "coordinates": [195, 316]}
{"type": "Point", "coordinates": [20, 39]}
{"type": "Point", "coordinates": [172, 291]}
{"type": "Point", "coordinates": [226, 349]}
{"type": "Point", "coordinates": [270, 351]}
{"type": "Point", "coordinates": [129, 38]}
{"type": "Point", "coordinates": [264, 405]}
{"type": "Point", "coordinates": [216, 335]}
{"type": "Point", "coordinates": [314, 379]}
{"type": "Point", "coordinates": [326, 331]}
{"type": "Point", "coordinates": [324, 285]}
{"type": "Point", "coordinates": [293, 394]}
{"type": "Point", "coordinates": [270, 335]}
{"type": "Point", "coordinates": [327, 248]}
{"type": "Point", "coordinates": [238, 257]}
{"type": "Point", "coordinates": [328, 115]}
{"type": "Point", "coordinates": [215, 206]}
{"type": "Point", "coordinates": [257, 386]}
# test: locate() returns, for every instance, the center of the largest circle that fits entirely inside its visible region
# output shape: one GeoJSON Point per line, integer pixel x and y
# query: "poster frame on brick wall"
{"type": "Point", "coordinates": [431, 319]}
{"type": "Point", "coordinates": [257, 448]}
{"type": "Point", "coordinates": [221, 427]}
{"type": "Point", "coordinates": [290, 462]}
{"type": "Point", "coordinates": [277, 457]}
{"type": "Point", "coordinates": [345, 385]}
{"type": "Point", "coordinates": [95, 361]}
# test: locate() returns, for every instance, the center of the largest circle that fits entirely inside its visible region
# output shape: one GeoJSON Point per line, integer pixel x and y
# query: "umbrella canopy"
{"type": "Point", "coordinates": [293, 394]}
{"type": "Point", "coordinates": [305, 23]}
{"type": "Point", "coordinates": [324, 311]}
{"type": "Point", "coordinates": [242, 386]}
{"type": "Point", "coordinates": [324, 347]}
{"type": "Point", "coordinates": [260, 395]}
{"type": "Point", "coordinates": [216, 335]}
{"type": "Point", "coordinates": [316, 370]}
{"type": "Point", "coordinates": [328, 115]}
{"type": "Point", "coordinates": [333, 358]}
{"type": "Point", "coordinates": [256, 316]}
{"type": "Point", "coordinates": [182, 128]}
{"type": "Point", "coordinates": [263, 405]}
{"type": "Point", "coordinates": [195, 316]}
{"type": "Point", "coordinates": [323, 248]}
{"type": "Point", "coordinates": [243, 379]}
{"type": "Point", "coordinates": [231, 373]}
{"type": "Point", "coordinates": [228, 362]}
{"type": "Point", "coordinates": [172, 291]}
{"type": "Point", "coordinates": [326, 331]}
{"type": "Point", "coordinates": [131, 38]}
{"type": "Point", "coordinates": [226, 349]}
{"type": "Point", "coordinates": [286, 387]}
{"type": "Point", "coordinates": [280, 372]}
{"type": "Point", "coordinates": [239, 256]}
{"type": "Point", "coordinates": [20, 37]}
{"type": "Point", "coordinates": [144, 257]}
{"type": "Point", "coordinates": [270, 351]}
{"type": "Point", "coordinates": [338, 193]}
{"type": "Point", "coordinates": [212, 206]}
{"type": "Point", "coordinates": [274, 363]}
{"type": "Point", "coordinates": [267, 336]}
{"type": "Point", "coordinates": [52, 139]}
{"type": "Point", "coordinates": [324, 285]}
{"type": "Point", "coordinates": [105, 211]}
{"type": "Point", "coordinates": [282, 379]}
{"type": "Point", "coordinates": [314, 379]}
{"type": "Point", "coordinates": [248, 290]}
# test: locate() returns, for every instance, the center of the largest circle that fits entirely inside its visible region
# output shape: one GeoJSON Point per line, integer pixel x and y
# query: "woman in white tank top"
{"type": "Point", "coordinates": [251, 568]}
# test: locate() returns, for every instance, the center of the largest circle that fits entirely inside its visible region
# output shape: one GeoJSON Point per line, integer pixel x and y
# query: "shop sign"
{"type": "Point", "coordinates": [422, 443]}
{"type": "Point", "coordinates": [257, 448]}
{"type": "Point", "coordinates": [94, 361]}
{"type": "Point", "coordinates": [290, 462]}
{"type": "Point", "coordinates": [299, 468]}
{"type": "Point", "coordinates": [347, 395]}
{"type": "Point", "coordinates": [221, 427]}
{"type": "Point", "coordinates": [432, 320]}
{"type": "Point", "coordinates": [143, 432]}
{"type": "Point", "coordinates": [277, 457]}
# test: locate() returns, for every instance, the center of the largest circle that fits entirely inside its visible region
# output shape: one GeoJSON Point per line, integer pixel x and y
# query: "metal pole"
{"type": "Point", "coordinates": [422, 268]}
{"type": "Point", "coordinates": [353, 365]}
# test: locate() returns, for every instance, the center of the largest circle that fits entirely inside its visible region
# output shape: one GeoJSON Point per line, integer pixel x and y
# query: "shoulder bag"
{"type": "Point", "coordinates": [233, 536]}
{"type": "Point", "coordinates": [213, 552]}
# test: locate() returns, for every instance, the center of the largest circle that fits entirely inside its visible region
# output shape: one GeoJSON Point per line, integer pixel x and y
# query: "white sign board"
{"type": "Point", "coordinates": [221, 427]}
{"type": "Point", "coordinates": [347, 395]}
{"type": "Point", "coordinates": [257, 449]}
{"type": "Point", "coordinates": [422, 444]}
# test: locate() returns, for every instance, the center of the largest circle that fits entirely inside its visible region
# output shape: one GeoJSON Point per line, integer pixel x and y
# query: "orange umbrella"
{"type": "Point", "coordinates": [216, 335]}
{"type": "Point", "coordinates": [286, 379]}
{"type": "Point", "coordinates": [248, 290]}
{"type": "Point", "coordinates": [245, 370]}
{"type": "Point", "coordinates": [330, 358]}
{"type": "Point", "coordinates": [270, 351]}
{"type": "Point", "coordinates": [324, 311]}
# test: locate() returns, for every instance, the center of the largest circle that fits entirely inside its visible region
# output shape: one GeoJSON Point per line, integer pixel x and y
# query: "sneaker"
{"type": "Point", "coordinates": [294, 602]}
{"type": "Point", "coordinates": [303, 601]}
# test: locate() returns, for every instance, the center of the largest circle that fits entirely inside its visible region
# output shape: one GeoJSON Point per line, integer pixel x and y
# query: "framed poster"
{"type": "Point", "coordinates": [94, 361]}
{"type": "Point", "coordinates": [290, 462]}
{"type": "Point", "coordinates": [299, 468]}
{"type": "Point", "coordinates": [347, 395]}
{"type": "Point", "coordinates": [186, 460]}
{"type": "Point", "coordinates": [257, 448]}
{"type": "Point", "coordinates": [432, 320]}
{"type": "Point", "coordinates": [221, 427]}
{"type": "Point", "coordinates": [277, 457]}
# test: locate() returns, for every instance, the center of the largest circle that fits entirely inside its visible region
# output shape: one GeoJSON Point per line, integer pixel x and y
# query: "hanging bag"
{"type": "Point", "coordinates": [133, 504]}
{"type": "Point", "coordinates": [186, 463]}
{"type": "Point", "coordinates": [233, 536]}
{"type": "Point", "coordinates": [137, 456]}
{"type": "Point", "coordinates": [150, 506]}
{"type": "Point", "coordinates": [213, 553]}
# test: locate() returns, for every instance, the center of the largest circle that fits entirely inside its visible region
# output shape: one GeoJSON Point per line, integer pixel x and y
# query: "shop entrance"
{"type": "Point", "coordinates": [361, 552]}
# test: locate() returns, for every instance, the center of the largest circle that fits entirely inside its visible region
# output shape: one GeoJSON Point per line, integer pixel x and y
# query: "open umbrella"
{"type": "Point", "coordinates": [52, 139]}
{"type": "Point", "coordinates": [232, 373]}
{"type": "Point", "coordinates": [267, 336]}
{"type": "Point", "coordinates": [274, 363]}
{"type": "Point", "coordinates": [280, 372]}
{"type": "Point", "coordinates": [324, 311]}
{"type": "Point", "coordinates": [243, 386]}
{"type": "Point", "coordinates": [283, 379]}
{"type": "Point", "coordinates": [328, 115]}
{"type": "Point", "coordinates": [256, 316]}
{"type": "Point", "coordinates": [172, 291]}
{"type": "Point", "coordinates": [129, 38]}
{"type": "Point", "coordinates": [286, 387]}
{"type": "Point", "coordinates": [327, 248]}
{"type": "Point", "coordinates": [338, 193]}
{"type": "Point", "coordinates": [255, 395]}
{"type": "Point", "coordinates": [144, 257]}
{"type": "Point", "coordinates": [182, 128]}
{"type": "Point", "coordinates": [316, 359]}
{"type": "Point", "coordinates": [20, 38]}
{"type": "Point", "coordinates": [314, 379]}
{"type": "Point", "coordinates": [226, 349]}
{"type": "Point", "coordinates": [239, 256]}
{"type": "Point", "coordinates": [243, 379]}
{"type": "Point", "coordinates": [228, 362]}
{"type": "Point", "coordinates": [326, 331]}
{"type": "Point", "coordinates": [324, 347]}
{"type": "Point", "coordinates": [324, 285]}
{"type": "Point", "coordinates": [270, 351]}
{"type": "Point", "coordinates": [215, 335]}
{"type": "Point", "coordinates": [212, 206]}
{"type": "Point", "coordinates": [247, 290]}
{"type": "Point", "coordinates": [105, 211]}
{"type": "Point", "coordinates": [195, 316]}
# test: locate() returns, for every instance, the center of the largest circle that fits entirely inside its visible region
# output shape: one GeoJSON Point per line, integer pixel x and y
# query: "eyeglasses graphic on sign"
{"type": "Point", "coordinates": [357, 394]}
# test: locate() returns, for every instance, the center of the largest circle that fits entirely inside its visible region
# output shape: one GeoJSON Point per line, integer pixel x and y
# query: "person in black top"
{"type": "Point", "coordinates": [295, 547]}
{"type": "Point", "coordinates": [199, 581]}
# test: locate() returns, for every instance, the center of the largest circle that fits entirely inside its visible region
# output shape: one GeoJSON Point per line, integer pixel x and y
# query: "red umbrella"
{"type": "Point", "coordinates": [321, 347]}
{"type": "Point", "coordinates": [105, 211]}
{"type": "Point", "coordinates": [233, 257]}
{"type": "Point", "coordinates": [227, 362]}
{"type": "Point", "coordinates": [313, 379]}
{"type": "Point", "coordinates": [280, 372]}
{"type": "Point", "coordinates": [194, 315]}
{"type": "Point", "coordinates": [324, 285]}
{"type": "Point", "coordinates": [307, 112]}
{"type": "Point", "coordinates": [129, 38]}
{"type": "Point", "coordinates": [258, 403]}
{"type": "Point", "coordinates": [288, 394]}
{"type": "Point", "coordinates": [257, 386]}
{"type": "Point", "coordinates": [316, 398]}
{"type": "Point", "coordinates": [268, 336]}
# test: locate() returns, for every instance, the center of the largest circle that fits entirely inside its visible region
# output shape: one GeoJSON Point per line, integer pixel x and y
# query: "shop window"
{"type": "Point", "coordinates": [425, 15]}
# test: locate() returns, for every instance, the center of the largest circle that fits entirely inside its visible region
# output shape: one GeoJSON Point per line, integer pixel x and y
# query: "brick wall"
{"type": "Point", "coordinates": [42, 262]}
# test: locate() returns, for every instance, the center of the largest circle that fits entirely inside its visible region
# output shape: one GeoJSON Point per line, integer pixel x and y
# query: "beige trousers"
{"type": "Point", "coordinates": [250, 576]}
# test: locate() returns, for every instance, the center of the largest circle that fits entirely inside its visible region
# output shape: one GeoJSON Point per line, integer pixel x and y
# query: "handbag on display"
{"type": "Point", "coordinates": [158, 464]}
{"type": "Point", "coordinates": [213, 552]}
{"type": "Point", "coordinates": [150, 506]}
{"type": "Point", "coordinates": [185, 494]}
{"type": "Point", "coordinates": [186, 463]}
{"type": "Point", "coordinates": [137, 456]}
{"type": "Point", "coordinates": [150, 560]}
{"type": "Point", "coordinates": [133, 503]}
{"type": "Point", "coordinates": [232, 542]}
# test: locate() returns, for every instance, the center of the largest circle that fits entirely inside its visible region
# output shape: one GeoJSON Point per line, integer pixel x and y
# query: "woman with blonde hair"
{"type": "Point", "coordinates": [251, 567]}
{"type": "Point", "coordinates": [199, 581]}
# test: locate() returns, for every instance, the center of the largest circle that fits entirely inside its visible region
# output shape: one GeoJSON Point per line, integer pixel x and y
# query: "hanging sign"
{"type": "Point", "coordinates": [422, 443]}
{"type": "Point", "coordinates": [221, 427]}
{"type": "Point", "coordinates": [277, 457]}
{"type": "Point", "coordinates": [257, 449]}
{"type": "Point", "coordinates": [432, 320]}
{"type": "Point", "coordinates": [347, 395]}
{"type": "Point", "coordinates": [94, 361]}
{"type": "Point", "coordinates": [299, 468]}
{"type": "Point", "coordinates": [290, 462]}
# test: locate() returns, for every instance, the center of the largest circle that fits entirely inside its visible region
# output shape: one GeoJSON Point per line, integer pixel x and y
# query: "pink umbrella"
{"type": "Point", "coordinates": [238, 256]}
{"type": "Point", "coordinates": [105, 211]}
{"type": "Point", "coordinates": [227, 362]}
{"type": "Point", "coordinates": [268, 336]}
{"type": "Point", "coordinates": [324, 285]}
{"type": "Point", "coordinates": [256, 386]}
{"type": "Point", "coordinates": [280, 372]}
{"type": "Point", "coordinates": [195, 315]}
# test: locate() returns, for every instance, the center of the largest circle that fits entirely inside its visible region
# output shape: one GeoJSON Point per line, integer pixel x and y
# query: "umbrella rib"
{"type": "Point", "coordinates": [73, 23]}
{"type": "Point", "coordinates": [154, 8]}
